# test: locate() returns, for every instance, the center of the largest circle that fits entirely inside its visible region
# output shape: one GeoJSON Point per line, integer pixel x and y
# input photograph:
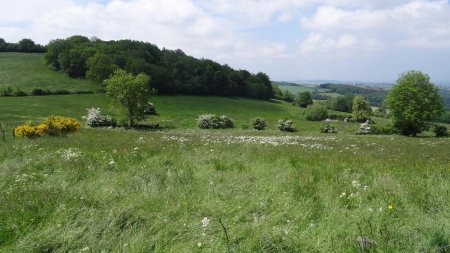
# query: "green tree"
{"type": "Point", "coordinates": [100, 67]}
{"type": "Point", "coordinates": [131, 93]}
{"type": "Point", "coordinates": [361, 109]}
{"type": "Point", "coordinates": [414, 103]}
{"type": "Point", "coordinates": [304, 99]}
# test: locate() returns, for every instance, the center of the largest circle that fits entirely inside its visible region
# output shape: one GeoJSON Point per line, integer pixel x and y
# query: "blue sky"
{"type": "Point", "coordinates": [354, 40]}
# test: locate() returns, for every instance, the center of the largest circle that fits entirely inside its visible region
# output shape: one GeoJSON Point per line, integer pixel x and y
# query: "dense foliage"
{"type": "Point", "coordinates": [373, 95]}
{"type": "Point", "coordinates": [23, 46]}
{"type": "Point", "coordinates": [342, 104]}
{"type": "Point", "coordinates": [172, 71]}
{"type": "Point", "coordinates": [304, 99]}
{"type": "Point", "coordinates": [130, 93]}
{"type": "Point", "coordinates": [361, 110]}
{"type": "Point", "coordinates": [316, 112]}
{"type": "Point", "coordinates": [259, 123]}
{"type": "Point", "coordinates": [414, 103]}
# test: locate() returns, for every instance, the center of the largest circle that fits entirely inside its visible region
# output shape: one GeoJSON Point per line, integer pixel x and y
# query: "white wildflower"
{"type": "Point", "coordinates": [343, 195]}
{"type": "Point", "coordinates": [205, 222]}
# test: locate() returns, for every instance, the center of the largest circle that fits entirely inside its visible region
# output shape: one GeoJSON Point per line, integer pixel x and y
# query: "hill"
{"type": "Point", "coordinates": [28, 71]}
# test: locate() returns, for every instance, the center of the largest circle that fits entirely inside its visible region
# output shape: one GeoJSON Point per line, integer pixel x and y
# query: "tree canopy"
{"type": "Point", "coordinates": [414, 103]}
{"type": "Point", "coordinates": [304, 99]}
{"type": "Point", "coordinates": [172, 71]}
{"type": "Point", "coordinates": [361, 109]}
{"type": "Point", "coordinates": [131, 94]}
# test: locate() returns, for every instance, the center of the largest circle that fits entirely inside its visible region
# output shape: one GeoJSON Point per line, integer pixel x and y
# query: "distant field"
{"type": "Point", "coordinates": [297, 89]}
{"type": "Point", "coordinates": [26, 72]}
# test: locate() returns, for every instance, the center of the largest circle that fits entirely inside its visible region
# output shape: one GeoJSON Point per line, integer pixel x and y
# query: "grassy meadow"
{"type": "Point", "coordinates": [25, 71]}
{"type": "Point", "coordinates": [130, 191]}
{"type": "Point", "coordinates": [183, 189]}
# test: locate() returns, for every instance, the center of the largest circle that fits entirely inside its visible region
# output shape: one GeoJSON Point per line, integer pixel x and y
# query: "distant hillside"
{"type": "Point", "coordinates": [26, 71]}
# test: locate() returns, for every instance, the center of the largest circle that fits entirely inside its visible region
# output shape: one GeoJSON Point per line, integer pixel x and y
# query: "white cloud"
{"type": "Point", "coordinates": [420, 23]}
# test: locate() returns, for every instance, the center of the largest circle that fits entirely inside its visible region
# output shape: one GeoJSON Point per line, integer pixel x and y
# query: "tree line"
{"type": "Point", "coordinates": [23, 46]}
{"type": "Point", "coordinates": [171, 71]}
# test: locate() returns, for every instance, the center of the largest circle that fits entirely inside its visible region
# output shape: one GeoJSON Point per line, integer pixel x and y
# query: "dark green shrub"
{"type": "Point", "coordinates": [316, 112]}
{"type": "Point", "coordinates": [20, 93]}
{"type": "Point", "coordinates": [440, 131]}
{"type": "Point", "coordinates": [383, 130]}
{"type": "Point", "coordinates": [40, 92]}
{"type": "Point", "coordinates": [259, 123]}
{"type": "Point", "coordinates": [286, 125]}
{"type": "Point", "coordinates": [59, 92]}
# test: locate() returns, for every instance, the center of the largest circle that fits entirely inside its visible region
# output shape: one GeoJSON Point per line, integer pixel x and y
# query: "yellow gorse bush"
{"type": "Point", "coordinates": [53, 125]}
{"type": "Point", "coordinates": [58, 125]}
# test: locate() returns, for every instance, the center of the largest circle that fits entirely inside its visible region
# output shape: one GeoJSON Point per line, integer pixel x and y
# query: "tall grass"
{"type": "Point", "coordinates": [126, 191]}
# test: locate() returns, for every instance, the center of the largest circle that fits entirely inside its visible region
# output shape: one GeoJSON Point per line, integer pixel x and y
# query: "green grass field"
{"type": "Point", "coordinates": [174, 111]}
{"type": "Point", "coordinates": [183, 189]}
{"type": "Point", "coordinates": [26, 72]}
{"type": "Point", "coordinates": [129, 191]}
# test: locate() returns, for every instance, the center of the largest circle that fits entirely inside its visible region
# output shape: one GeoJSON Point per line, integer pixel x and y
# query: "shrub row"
{"type": "Point", "coordinates": [9, 92]}
{"type": "Point", "coordinates": [53, 126]}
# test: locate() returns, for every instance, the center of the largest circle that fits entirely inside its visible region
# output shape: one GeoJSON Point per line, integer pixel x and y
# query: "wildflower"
{"type": "Point", "coordinates": [365, 187]}
{"type": "Point", "coordinates": [370, 209]}
{"type": "Point", "coordinates": [390, 206]}
{"type": "Point", "coordinates": [205, 222]}
{"type": "Point", "coordinates": [199, 244]}
{"type": "Point", "coordinates": [380, 209]}
{"type": "Point", "coordinates": [343, 195]}
{"type": "Point", "coordinates": [112, 163]}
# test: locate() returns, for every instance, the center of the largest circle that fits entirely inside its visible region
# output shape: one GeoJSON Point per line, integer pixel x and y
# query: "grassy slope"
{"type": "Point", "coordinates": [29, 71]}
{"type": "Point", "coordinates": [175, 111]}
{"type": "Point", "coordinates": [65, 194]}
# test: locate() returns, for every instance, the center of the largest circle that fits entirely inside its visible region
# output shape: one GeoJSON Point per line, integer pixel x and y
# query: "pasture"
{"type": "Point", "coordinates": [224, 191]}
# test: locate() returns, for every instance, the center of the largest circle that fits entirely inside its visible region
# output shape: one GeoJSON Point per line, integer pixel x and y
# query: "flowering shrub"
{"type": "Point", "coordinates": [58, 125]}
{"type": "Point", "coordinates": [30, 131]}
{"type": "Point", "coordinates": [286, 125]}
{"type": "Point", "coordinates": [211, 121]}
{"type": "Point", "coordinates": [94, 118]}
{"type": "Point", "coordinates": [328, 128]}
{"type": "Point", "coordinates": [259, 124]}
{"type": "Point", "coordinates": [53, 125]}
{"type": "Point", "coordinates": [365, 128]}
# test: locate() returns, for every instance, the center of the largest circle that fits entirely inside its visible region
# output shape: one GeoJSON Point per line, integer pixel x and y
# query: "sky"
{"type": "Point", "coordinates": [348, 40]}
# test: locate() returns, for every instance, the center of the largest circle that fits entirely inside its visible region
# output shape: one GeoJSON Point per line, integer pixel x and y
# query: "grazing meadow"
{"type": "Point", "coordinates": [184, 189]}
{"type": "Point", "coordinates": [224, 191]}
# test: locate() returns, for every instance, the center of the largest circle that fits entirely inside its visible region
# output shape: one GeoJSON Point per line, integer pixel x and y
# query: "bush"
{"type": "Point", "coordinates": [150, 109]}
{"type": "Point", "coordinates": [83, 92]}
{"type": "Point", "coordinates": [58, 125]}
{"type": "Point", "coordinates": [211, 121]}
{"type": "Point", "coordinates": [286, 125]}
{"type": "Point", "coordinates": [20, 93]}
{"type": "Point", "coordinates": [328, 128]}
{"type": "Point", "coordinates": [365, 128]}
{"type": "Point", "coordinates": [384, 130]}
{"type": "Point", "coordinates": [54, 125]}
{"type": "Point", "coordinates": [445, 118]}
{"type": "Point", "coordinates": [31, 131]}
{"type": "Point", "coordinates": [259, 123]}
{"type": "Point", "coordinates": [316, 112]}
{"type": "Point", "coordinates": [94, 118]}
{"type": "Point", "coordinates": [59, 92]}
{"type": "Point", "coordinates": [440, 131]}
{"type": "Point", "coordinates": [40, 92]}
